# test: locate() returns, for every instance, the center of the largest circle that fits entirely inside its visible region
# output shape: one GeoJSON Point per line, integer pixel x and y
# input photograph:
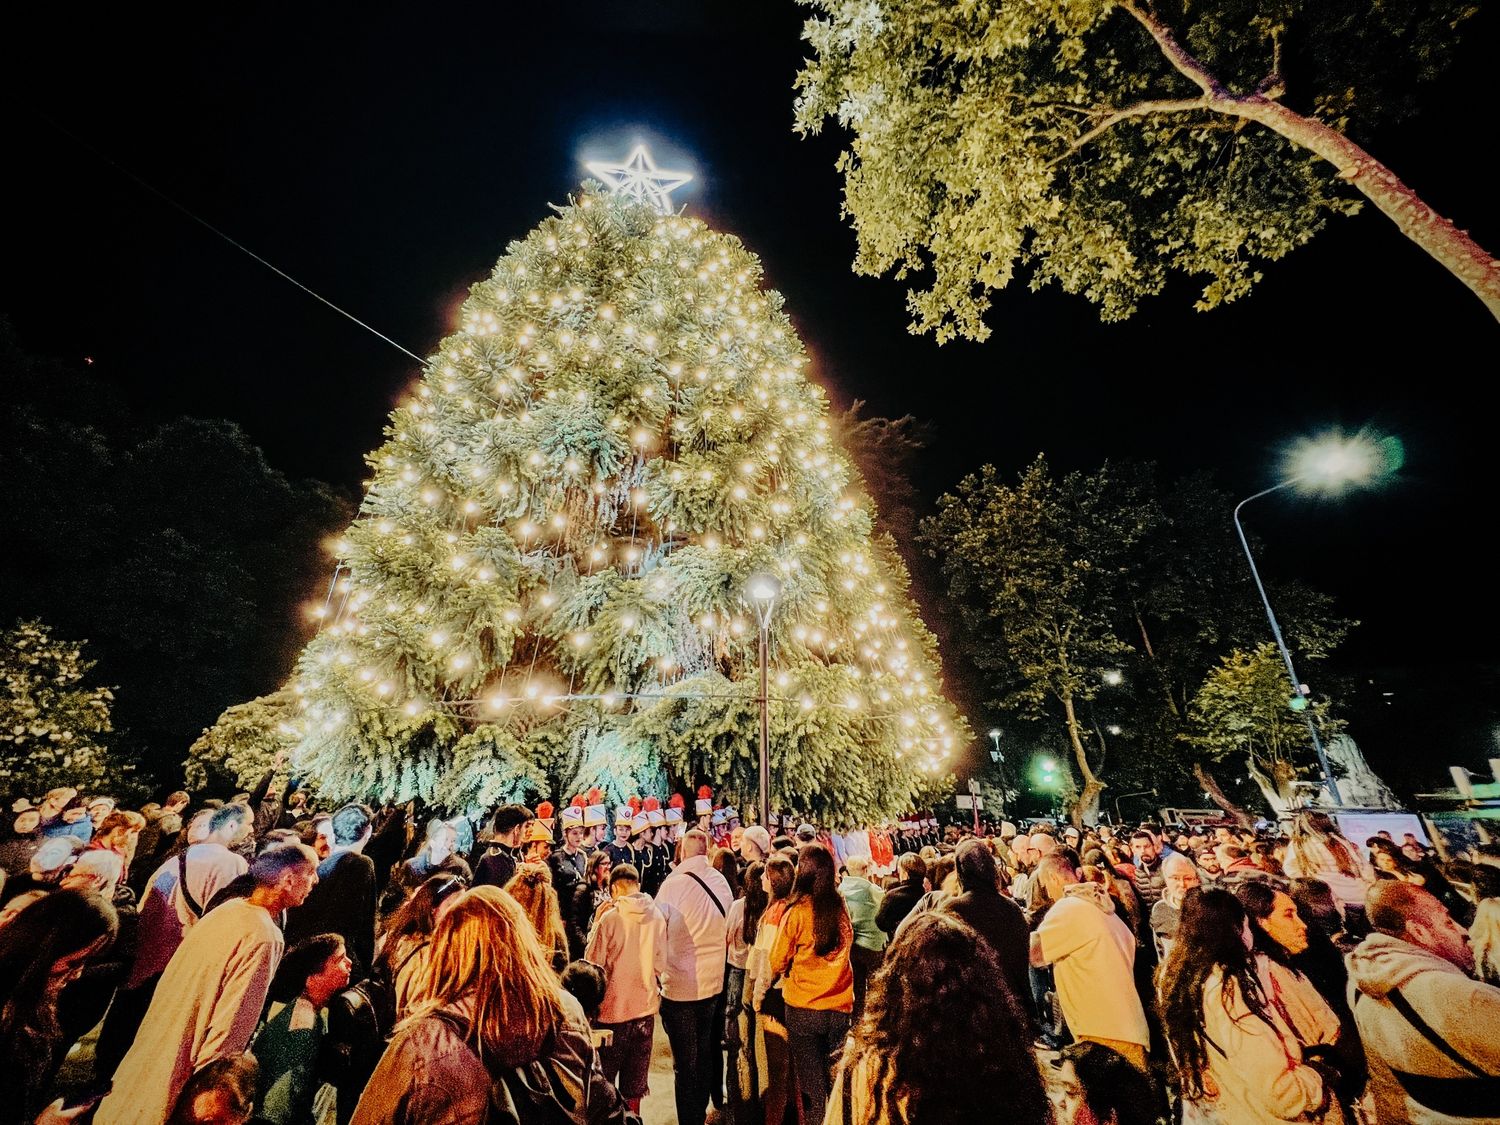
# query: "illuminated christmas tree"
{"type": "Point", "coordinates": [546, 586]}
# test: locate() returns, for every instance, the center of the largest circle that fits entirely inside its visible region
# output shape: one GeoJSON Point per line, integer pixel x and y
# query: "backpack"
{"type": "Point", "coordinates": [360, 1022]}
{"type": "Point", "coordinates": [563, 1086]}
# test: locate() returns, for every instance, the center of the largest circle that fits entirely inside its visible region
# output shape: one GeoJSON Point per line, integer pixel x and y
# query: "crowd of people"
{"type": "Point", "coordinates": [264, 958]}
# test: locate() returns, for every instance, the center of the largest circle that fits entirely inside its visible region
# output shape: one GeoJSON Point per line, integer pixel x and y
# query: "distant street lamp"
{"type": "Point", "coordinates": [763, 590]}
{"type": "Point", "coordinates": [1330, 465]}
{"type": "Point", "coordinates": [999, 760]}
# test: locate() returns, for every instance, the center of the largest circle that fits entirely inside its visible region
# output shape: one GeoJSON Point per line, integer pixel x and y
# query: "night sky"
{"type": "Point", "coordinates": [385, 154]}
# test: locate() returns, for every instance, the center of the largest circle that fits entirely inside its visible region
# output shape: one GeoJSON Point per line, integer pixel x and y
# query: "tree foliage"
{"type": "Point", "coordinates": [1038, 571]}
{"type": "Point", "coordinates": [1103, 145]}
{"type": "Point", "coordinates": [172, 545]}
{"type": "Point", "coordinates": [1241, 710]}
{"type": "Point", "coordinates": [53, 722]}
{"type": "Point", "coordinates": [544, 589]}
{"type": "Point", "coordinates": [1094, 606]}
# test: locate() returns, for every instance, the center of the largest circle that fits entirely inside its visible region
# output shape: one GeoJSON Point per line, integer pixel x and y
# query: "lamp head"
{"type": "Point", "coordinates": [995, 733]}
{"type": "Point", "coordinates": [763, 588]}
{"type": "Point", "coordinates": [1334, 462]}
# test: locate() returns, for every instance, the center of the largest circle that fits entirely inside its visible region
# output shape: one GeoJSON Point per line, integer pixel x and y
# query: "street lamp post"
{"type": "Point", "coordinates": [999, 759]}
{"type": "Point", "coordinates": [763, 590]}
{"type": "Point", "coordinates": [1286, 656]}
{"type": "Point", "coordinates": [1328, 464]}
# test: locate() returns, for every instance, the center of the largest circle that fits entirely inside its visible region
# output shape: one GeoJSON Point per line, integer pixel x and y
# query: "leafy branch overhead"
{"type": "Point", "coordinates": [1103, 145]}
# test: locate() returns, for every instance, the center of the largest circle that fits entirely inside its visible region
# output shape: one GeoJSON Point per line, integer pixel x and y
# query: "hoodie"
{"type": "Point", "coordinates": [1463, 1012]}
{"type": "Point", "coordinates": [629, 943]}
{"type": "Point", "coordinates": [1094, 957]}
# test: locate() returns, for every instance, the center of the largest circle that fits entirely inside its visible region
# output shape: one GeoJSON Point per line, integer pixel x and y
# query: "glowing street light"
{"type": "Point", "coordinates": [1329, 465]}
{"type": "Point", "coordinates": [1113, 677]}
{"type": "Point", "coordinates": [763, 589]}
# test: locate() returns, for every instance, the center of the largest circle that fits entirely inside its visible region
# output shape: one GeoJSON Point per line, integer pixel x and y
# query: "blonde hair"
{"type": "Point", "coordinates": [531, 886]}
{"type": "Point", "coordinates": [1484, 937]}
{"type": "Point", "coordinates": [485, 950]}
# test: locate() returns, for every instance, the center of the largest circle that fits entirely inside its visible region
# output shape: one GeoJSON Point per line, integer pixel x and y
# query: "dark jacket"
{"type": "Point", "coordinates": [343, 903]}
{"type": "Point", "coordinates": [1002, 924]}
{"type": "Point", "coordinates": [897, 904]}
{"type": "Point", "coordinates": [496, 866]}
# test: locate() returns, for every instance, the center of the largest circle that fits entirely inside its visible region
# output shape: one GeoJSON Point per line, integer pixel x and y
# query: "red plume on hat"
{"type": "Point", "coordinates": [651, 805]}
{"type": "Point", "coordinates": [577, 802]}
{"type": "Point", "coordinates": [676, 801]}
{"type": "Point", "coordinates": [544, 811]}
{"type": "Point", "coordinates": [705, 793]}
{"type": "Point", "coordinates": [596, 796]}
{"type": "Point", "coordinates": [635, 804]}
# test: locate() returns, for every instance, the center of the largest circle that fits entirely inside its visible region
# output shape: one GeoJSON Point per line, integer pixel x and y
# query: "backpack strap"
{"type": "Point", "coordinates": [1403, 1005]}
{"type": "Point", "coordinates": [187, 895]}
{"type": "Point", "coordinates": [713, 898]}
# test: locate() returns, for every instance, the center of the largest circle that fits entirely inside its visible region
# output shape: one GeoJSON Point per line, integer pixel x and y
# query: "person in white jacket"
{"type": "Point", "coordinates": [629, 942]}
{"type": "Point", "coordinates": [1237, 1055]}
{"type": "Point", "coordinates": [1431, 1032]}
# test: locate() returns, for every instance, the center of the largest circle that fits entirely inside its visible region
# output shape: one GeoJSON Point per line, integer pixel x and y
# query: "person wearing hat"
{"type": "Point", "coordinates": [653, 852]}
{"type": "Point", "coordinates": [675, 823]}
{"type": "Point", "coordinates": [570, 863]}
{"type": "Point", "coordinates": [536, 841]}
{"type": "Point", "coordinates": [595, 826]}
{"type": "Point", "coordinates": [718, 832]}
{"type": "Point", "coordinates": [704, 808]}
{"type": "Point", "coordinates": [620, 848]}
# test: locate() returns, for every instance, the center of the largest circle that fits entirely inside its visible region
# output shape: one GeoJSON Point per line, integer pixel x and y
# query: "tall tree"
{"type": "Point", "coordinates": [1038, 571]}
{"type": "Point", "coordinates": [172, 545]}
{"type": "Point", "coordinates": [1104, 144]}
{"type": "Point", "coordinates": [1190, 600]}
{"type": "Point", "coordinates": [547, 585]}
{"type": "Point", "coordinates": [1242, 711]}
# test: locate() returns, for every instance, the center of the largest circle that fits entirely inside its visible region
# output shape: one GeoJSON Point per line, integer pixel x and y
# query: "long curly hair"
{"type": "Point", "coordinates": [1210, 943]}
{"type": "Point", "coordinates": [531, 886]}
{"type": "Point", "coordinates": [940, 1023]}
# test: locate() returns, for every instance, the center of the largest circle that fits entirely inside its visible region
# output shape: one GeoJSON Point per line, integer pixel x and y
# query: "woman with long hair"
{"type": "Point", "coordinates": [773, 1064]}
{"type": "Point", "coordinates": [938, 1025]}
{"type": "Point", "coordinates": [1318, 851]}
{"type": "Point", "coordinates": [812, 952]}
{"type": "Point", "coordinates": [1238, 1058]}
{"type": "Point", "coordinates": [589, 897]}
{"type": "Point", "coordinates": [43, 949]}
{"type": "Point", "coordinates": [738, 1016]}
{"type": "Point", "coordinates": [406, 943]}
{"type": "Point", "coordinates": [1303, 975]}
{"type": "Point", "coordinates": [489, 1010]}
{"type": "Point", "coordinates": [531, 886]}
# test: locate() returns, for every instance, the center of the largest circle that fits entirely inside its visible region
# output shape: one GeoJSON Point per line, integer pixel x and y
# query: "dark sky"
{"type": "Point", "coordinates": [385, 154]}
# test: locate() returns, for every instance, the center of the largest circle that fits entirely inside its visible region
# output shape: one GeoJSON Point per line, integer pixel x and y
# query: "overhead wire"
{"type": "Point", "coordinates": [241, 247]}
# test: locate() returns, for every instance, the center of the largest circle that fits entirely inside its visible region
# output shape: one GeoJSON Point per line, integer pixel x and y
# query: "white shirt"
{"type": "Point", "coordinates": [696, 930]}
{"type": "Point", "coordinates": [1094, 954]}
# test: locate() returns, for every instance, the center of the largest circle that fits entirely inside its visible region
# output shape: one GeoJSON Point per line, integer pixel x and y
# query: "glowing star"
{"type": "Point", "coordinates": [639, 178]}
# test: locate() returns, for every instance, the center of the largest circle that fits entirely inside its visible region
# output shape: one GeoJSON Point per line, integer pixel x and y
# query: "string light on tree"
{"type": "Point", "coordinates": [544, 588]}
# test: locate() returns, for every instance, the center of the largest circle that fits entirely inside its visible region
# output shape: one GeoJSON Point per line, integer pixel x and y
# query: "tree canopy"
{"type": "Point", "coordinates": [1103, 145]}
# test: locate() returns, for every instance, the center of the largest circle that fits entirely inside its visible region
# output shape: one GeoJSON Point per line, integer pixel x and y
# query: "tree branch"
{"type": "Point", "coordinates": [1140, 109]}
{"type": "Point", "coordinates": [1182, 60]}
{"type": "Point", "coordinates": [1273, 85]}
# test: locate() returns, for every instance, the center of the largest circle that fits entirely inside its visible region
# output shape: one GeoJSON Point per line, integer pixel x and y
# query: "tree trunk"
{"type": "Point", "coordinates": [1087, 809]}
{"type": "Point", "coordinates": [1459, 254]}
{"type": "Point", "coordinates": [1219, 797]}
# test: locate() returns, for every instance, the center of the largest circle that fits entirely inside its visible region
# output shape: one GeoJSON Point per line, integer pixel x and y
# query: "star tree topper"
{"type": "Point", "coordinates": [639, 178]}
